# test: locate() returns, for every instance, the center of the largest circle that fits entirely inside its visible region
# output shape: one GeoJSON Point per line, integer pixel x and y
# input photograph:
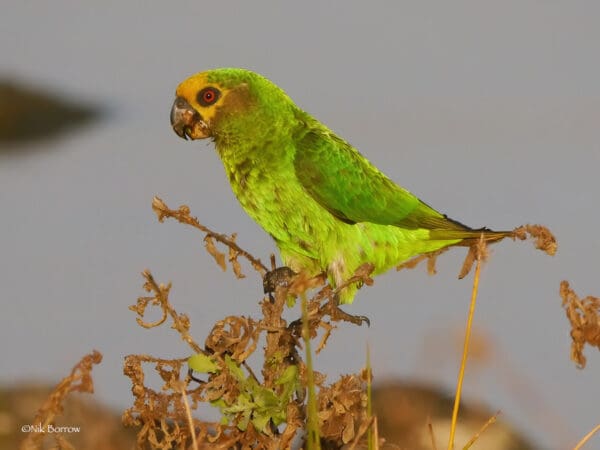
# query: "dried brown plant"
{"type": "Point", "coordinates": [79, 380]}
{"type": "Point", "coordinates": [343, 410]}
{"type": "Point", "coordinates": [268, 410]}
{"type": "Point", "coordinates": [265, 411]}
{"type": "Point", "coordinates": [584, 316]}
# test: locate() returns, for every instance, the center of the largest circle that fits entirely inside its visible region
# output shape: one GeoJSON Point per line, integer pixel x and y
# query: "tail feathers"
{"type": "Point", "coordinates": [443, 228]}
{"type": "Point", "coordinates": [469, 236]}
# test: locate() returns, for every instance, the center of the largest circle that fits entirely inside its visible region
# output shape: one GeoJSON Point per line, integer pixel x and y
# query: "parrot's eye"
{"type": "Point", "coordinates": [208, 96]}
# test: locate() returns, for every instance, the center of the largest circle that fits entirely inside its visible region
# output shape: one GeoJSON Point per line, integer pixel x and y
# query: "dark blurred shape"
{"type": "Point", "coordinates": [100, 427]}
{"type": "Point", "coordinates": [29, 114]}
{"type": "Point", "coordinates": [404, 409]}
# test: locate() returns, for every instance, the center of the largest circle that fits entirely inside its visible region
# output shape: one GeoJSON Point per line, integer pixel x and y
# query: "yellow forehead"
{"type": "Point", "coordinates": [190, 87]}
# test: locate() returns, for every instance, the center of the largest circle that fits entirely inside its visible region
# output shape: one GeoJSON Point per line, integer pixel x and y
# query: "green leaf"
{"type": "Point", "coordinates": [290, 301]}
{"type": "Point", "coordinates": [256, 403]}
{"type": "Point", "coordinates": [289, 376]}
{"type": "Point", "coordinates": [202, 363]}
{"type": "Point", "coordinates": [261, 422]}
{"type": "Point", "coordinates": [235, 369]}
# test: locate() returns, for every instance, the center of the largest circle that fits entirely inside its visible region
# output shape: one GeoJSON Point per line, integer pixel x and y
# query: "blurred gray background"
{"type": "Point", "coordinates": [489, 112]}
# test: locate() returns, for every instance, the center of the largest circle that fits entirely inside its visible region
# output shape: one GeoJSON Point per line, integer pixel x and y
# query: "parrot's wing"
{"type": "Point", "coordinates": [352, 189]}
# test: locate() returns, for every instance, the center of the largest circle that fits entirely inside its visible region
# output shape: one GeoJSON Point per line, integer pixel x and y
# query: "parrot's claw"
{"type": "Point", "coordinates": [281, 276]}
{"type": "Point", "coordinates": [356, 320]}
{"type": "Point", "coordinates": [337, 314]}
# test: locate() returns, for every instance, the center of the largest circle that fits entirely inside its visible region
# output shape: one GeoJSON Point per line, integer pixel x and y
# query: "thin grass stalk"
{"type": "Point", "coordinates": [313, 440]}
{"type": "Point", "coordinates": [463, 364]}
{"type": "Point", "coordinates": [586, 438]}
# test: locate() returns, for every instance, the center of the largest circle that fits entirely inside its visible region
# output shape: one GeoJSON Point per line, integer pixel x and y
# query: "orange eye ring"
{"type": "Point", "coordinates": [208, 96]}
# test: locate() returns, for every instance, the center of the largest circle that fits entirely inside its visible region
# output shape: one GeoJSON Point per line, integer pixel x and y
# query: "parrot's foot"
{"type": "Point", "coordinates": [336, 313]}
{"type": "Point", "coordinates": [281, 276]}
{"type": "Point", "coordinates": [332, 309]}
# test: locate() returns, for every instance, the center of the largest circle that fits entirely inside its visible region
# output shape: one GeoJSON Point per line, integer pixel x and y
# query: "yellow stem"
{"type": "Point", "coordinates": [188, 413]}
{"type": "Point", "coordinates": [463, 363]}
{"type": "Point", "coordinates": [586, 438]}
{"type": "Point", "coordinates": [490, 421]}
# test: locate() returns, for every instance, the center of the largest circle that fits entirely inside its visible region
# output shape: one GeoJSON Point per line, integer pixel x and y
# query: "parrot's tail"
{"type": "Point", "coordinates": [443, 228]}
{"type": "Point", "coordinates": [470, 236]}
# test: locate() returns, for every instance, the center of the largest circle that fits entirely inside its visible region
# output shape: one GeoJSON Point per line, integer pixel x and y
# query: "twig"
{"type": "Point", "coordinates": [188, 413]}
{"type": "Point", "coordinates": [461, 373]}
{"type": "Point", "coordinates": [490, 421]}
{"type": "Point", "coordinates": [586, 438]}
{"type": "Point", "coordinates": [180, 322]}
{"type": "Point", "coordinates": [375, 433]}
{"type": "Point", "coordinates": [431, 434]}
{"type": "Point", "coordinates": [365, 427]}
{"type": "Point", "coordinates": [183, 216]}
{"type": "Point", "coordinates": [361, 275]}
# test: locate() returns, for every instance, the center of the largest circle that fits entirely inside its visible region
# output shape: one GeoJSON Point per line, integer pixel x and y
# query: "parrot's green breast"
{"type": "Point", "coordinates": [308, 235]}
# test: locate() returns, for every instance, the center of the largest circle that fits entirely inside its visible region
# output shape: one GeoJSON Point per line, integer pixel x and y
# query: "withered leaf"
{"type": "Point", "coordinates": [219, 257]}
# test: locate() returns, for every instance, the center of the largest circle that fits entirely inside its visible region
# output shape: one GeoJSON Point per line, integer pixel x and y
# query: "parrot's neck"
{"type": "Point", "coordinates": [262, 141]}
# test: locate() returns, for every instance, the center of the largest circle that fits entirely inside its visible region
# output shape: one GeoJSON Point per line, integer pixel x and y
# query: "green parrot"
{"type": "Point", "coordinates": [327, 207]}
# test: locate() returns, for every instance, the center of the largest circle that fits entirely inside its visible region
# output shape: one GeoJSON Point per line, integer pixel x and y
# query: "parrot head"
{"type": "Point", "coordinates": [221, 103]}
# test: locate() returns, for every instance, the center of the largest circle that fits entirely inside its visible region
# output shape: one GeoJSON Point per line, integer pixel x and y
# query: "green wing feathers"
{"type": "Point", "coordinates": [345, 183]}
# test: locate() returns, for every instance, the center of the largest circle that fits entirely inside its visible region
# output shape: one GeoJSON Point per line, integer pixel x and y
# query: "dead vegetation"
{"type": "Point", "coordinates": [287, 404]}
{"type": "Point", "coordinates": [584, 317]}
{"type": "Point", "coordinates": [265, 412]}
{"type": "Point", "coordinates": [271, 410]}
{"type": "Point", "coordinates": [79, 380]}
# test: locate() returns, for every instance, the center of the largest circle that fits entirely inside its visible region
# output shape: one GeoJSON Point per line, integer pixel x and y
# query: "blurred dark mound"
{"type": "Point", "coordinates": [101, 428]}
{"type": "Point", "coordinates": [29, 114]}
{"type": "Point", "coordinates": [404, 410]}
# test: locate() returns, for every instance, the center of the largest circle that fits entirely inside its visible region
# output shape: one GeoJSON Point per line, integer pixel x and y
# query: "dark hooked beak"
{"type": "Point", "coordinates": [187, 122]}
